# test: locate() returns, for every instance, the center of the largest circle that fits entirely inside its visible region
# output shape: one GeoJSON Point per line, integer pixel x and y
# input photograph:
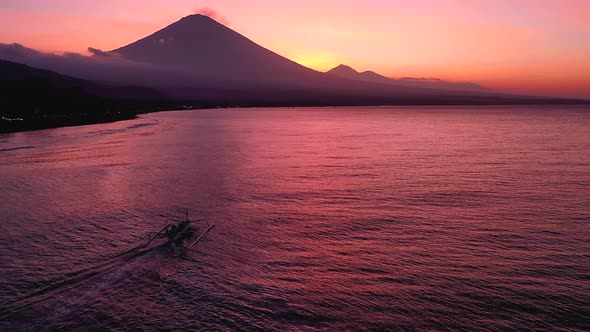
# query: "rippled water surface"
{"type": "Point", "coordinates": [465, 218]}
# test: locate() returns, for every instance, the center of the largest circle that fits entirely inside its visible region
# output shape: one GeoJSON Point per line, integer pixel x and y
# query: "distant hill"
{"type": "Point", "coordinates": [18, 75]}
{"type": "Point", "coordinates": [428, 83]}
{"type": "Point", "coordinates": [33, 98]}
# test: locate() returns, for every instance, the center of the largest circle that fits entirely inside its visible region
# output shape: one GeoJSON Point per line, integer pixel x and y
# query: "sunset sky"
{"type": "Point", "coordinates": [524, 46]}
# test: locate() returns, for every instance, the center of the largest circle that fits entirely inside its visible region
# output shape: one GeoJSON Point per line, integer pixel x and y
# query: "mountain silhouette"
{"type": "Point", "coordinates": [211, 50]}
{"type": "Point", "coordinates": [205, 54]}
{"type": "Point", "coordinates": [348, 72]}
{"type": "Point", "coordinates": [14, 76]}
{"type": "Point", "coordinates": [198, 61]}
{"type": "Point", "coordinates": [33, 98]}
{"type": "Point", "coordinates": [344, 71]}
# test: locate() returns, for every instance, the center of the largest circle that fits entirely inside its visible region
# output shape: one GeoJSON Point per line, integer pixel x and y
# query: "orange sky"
{"type": "Point", "coordinates": [524, 46]}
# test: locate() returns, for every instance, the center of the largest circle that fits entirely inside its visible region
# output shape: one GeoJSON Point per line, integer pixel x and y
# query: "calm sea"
{"type": "Point", "coordinates": [413, 218]}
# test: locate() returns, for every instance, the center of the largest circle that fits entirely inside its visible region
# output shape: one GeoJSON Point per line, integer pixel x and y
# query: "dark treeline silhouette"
{"type": "Point", "coordinates": [35, 99]}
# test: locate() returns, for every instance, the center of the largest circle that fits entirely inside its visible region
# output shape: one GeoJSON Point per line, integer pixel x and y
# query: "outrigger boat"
{"type": "Point", "coordinates": [180, 234]}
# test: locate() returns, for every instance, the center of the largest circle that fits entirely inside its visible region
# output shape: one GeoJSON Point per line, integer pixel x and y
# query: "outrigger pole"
{"type": "Point", "coordinates": [158, 235]}
{"type": "Point", "coordinates": [200, 236]}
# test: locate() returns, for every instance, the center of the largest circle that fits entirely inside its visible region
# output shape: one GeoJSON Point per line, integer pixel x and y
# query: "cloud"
{"type": "Point", "coordinates": [212, 13]}
{"type": "Point", "coordinates": [19, 53]}
{"type": "Point", "coordinates": [98, 52]}
{"type": "Point", "coordinates": [109, 67]}
{"type": "Point", "coordinates": [104, 66]}
{"type": "Point", "coordinates": [16, 51]}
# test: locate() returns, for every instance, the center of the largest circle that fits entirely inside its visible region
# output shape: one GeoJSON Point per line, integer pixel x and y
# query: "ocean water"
{"type": "Point", "coordinates": [392, 218]}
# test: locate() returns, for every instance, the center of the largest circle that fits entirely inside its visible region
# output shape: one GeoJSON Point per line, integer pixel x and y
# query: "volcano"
{"type": "Point", "coordinates": [211, 50]}
{"type": "Point", "coordinates": [206, 54]}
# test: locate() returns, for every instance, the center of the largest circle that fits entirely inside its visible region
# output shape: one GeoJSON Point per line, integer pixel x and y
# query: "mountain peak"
{"type": "Point", "coordinates": [210, 49]}
{"type": "Point", "coordinates": [197, 21]}
{"type": "Point", "coordinates": [196, 17]}
{"type": "Point", "coordinates": [370, 75]}
{"type": "Point", "coordinates": [193, 16]}
{"type": "Point", "coordinates": [342, 70]}
{"type": "Point", "coordinates": [369, 72]}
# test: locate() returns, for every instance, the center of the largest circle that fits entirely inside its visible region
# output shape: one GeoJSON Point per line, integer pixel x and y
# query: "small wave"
{"type": "Point", "coordinates": [119, 130]}
{"type": "Point", "coordinates": [17, 148]}
{"type": "Point", "coordinates": [139, 125]}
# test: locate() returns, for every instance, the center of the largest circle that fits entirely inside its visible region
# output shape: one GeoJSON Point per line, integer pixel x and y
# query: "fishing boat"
{"type": "Point", "coordinates": [181, 235]}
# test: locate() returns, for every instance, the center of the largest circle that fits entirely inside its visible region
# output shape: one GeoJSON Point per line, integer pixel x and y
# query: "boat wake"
{"type": "Point", "coordinates": [102, 274]}
{"type": "Point", "coordinates": [64, 298]}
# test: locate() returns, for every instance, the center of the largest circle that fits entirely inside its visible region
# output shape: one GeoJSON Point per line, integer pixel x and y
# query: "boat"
{"type": "Point", "coordinates": [181, 234]}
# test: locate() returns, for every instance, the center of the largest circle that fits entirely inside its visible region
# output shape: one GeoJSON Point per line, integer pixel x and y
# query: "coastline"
{"type": "Point", "coordinates": [9, 127]}
{"type": "Point", "coordinates": [83, 119]}
{"type": "Point", "coordinates": [70, 120]}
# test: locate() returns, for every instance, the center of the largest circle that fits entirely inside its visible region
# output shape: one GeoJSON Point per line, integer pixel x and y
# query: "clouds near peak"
{"type": "Point", "coordinates": [212, 13]}
{"type": "Point", "coordinates": [99, 52]}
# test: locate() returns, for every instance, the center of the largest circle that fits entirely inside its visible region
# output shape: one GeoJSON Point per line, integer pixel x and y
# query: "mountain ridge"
{"type": "Point", "coordinates": [371, 76]}
{"type": "Point", "coordinates": [32, 98]}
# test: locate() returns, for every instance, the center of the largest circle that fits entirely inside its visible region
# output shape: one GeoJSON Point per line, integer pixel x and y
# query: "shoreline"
{"type": "Point", "coordinates": [63, 120]}
{"type": "Point", "coordinates": [83, 119]}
